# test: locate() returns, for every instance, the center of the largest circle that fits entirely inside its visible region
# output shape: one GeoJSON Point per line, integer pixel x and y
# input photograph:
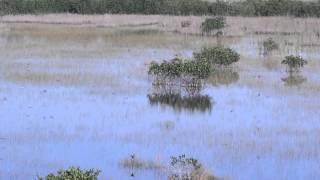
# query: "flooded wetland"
{"type": "Point", "coordinates": [81, 96]}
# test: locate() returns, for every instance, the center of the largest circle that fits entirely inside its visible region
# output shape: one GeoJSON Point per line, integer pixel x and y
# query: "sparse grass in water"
{"type": "Point", "coordinates": [270, 45]}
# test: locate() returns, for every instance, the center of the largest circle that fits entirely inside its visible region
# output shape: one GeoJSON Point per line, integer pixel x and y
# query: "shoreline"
{"type": "Point", "coordinates": [236, 25]}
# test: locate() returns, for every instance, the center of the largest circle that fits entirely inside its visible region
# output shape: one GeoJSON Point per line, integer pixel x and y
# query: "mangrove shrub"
{"type": "Point", "coordinates": [176, 68]}
{"type": "Point", "coordinates": [217, 56]}
{"type": "Point", "coordinates": [73, 173]}
{"type": "Point", "coordinates": [294, 63]}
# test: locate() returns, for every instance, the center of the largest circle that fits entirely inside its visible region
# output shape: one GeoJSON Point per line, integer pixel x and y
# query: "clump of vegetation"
{"type": "Point", "coordinates": [294, 63]}
{"type": "Point", "coordinates": [73, 173]}
{"type": "Point", "coordinates": [217, 56]}
{"type": "Point", "coordinates": [211, 24]}
{"type": "Point", "coordinates": [177, 68]}
{"type": "Point", "coordinates": [184, 168]}
{"type": "Point", "coordinates": [270, 45]}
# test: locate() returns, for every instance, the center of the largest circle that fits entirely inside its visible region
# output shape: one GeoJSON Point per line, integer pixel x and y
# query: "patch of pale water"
{"type": "Point", "coordinates": [66, 102]}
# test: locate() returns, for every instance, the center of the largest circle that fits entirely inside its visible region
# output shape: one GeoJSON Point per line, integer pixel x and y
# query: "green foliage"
{"type": "Point", "coordinates": [211, 24]}
{"type": "Point", "coordinates": [176, 68]}
{"type": "Point", "coordinates": [270, 45]}
{"type": "Point", "coordinates": [74, 173]}
{"type": "Point", "coordinates": [217, 56]}
{"type": "Point", "coordinates": [294, 62]}
{"type": "Point", "coordinates": [173, 7]}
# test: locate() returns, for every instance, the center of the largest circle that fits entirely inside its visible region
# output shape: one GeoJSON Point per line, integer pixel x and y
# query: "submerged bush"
{"type": "Point", "coordinates": [211, 24]}
{"type": "Point", "coordinates": [217, 56]}
{"type": "Point", "coordinates": [294, 63]}
{"type": "Point", "coordinates": [73, 173]}
{"type": "Point", "coordinates": [270, 45]}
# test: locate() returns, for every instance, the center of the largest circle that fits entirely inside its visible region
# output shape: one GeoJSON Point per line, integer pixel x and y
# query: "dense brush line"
{"type": "Point", "coordinates": [171, 7]}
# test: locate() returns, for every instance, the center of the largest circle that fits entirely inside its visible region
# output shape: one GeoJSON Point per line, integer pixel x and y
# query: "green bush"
{"type": "Point", "coordinates": [74, 173]}
{"type": "Point", "coordinates": [294, 63]}
{"type": "Point", "coordinates": [176, 68]}
{"type": "Point", "coordinates": [217, 56]}
{"type": "Point", "coordinates": [211, 24]}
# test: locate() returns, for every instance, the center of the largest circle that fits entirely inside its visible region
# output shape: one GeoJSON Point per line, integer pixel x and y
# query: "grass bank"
{"type": "Point", "coordinates": [235, 26]}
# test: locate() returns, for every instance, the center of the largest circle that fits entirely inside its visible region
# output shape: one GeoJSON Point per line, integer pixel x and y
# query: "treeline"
{"type": "Point", "coordinates": [170, 7]}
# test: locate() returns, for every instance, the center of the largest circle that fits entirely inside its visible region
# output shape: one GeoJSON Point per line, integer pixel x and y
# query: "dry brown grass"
{"type": "Point", "coordinates": [236, 26]}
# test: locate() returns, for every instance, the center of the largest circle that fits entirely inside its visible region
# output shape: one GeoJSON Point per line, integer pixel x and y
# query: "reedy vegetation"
{"type": "Point", "coordinates": [171, 7]}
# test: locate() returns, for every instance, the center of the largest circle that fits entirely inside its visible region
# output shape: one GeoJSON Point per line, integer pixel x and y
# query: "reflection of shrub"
{"type": "Point", "coordinates": [211, 24]}
{"type": "Point", "coordinates": [74, 173]}
{"type": "Point", "coordinates": [223, 76]}
{"type": "Point", "coordinates": [136, 163]}
{"type": "Point", "coordinates": [178, 102]}
{"type": "Point", "coordinates": [294, 63]}
{"type": "Point", "coordinates": [217, 56]}
{"type": "Point", "coordinates": [270, 45]}
{"type": "Point", "coordinates": [294, 80]}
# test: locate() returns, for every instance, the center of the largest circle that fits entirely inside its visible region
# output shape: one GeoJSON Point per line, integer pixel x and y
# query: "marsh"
{"type": "Point", "coordinates": [78, 95]}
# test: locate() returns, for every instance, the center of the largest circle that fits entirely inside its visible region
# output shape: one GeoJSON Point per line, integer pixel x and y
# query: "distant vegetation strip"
{"type": "Point", "coordinates": [169, 7]}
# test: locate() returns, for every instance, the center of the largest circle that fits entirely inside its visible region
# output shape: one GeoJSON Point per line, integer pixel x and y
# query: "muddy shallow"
{"type": "Point", "coordinates": [79, 96]}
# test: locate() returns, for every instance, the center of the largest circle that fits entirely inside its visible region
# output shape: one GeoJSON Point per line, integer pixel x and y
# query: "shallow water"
{"type": "Point", "coordinates": [79, 96]}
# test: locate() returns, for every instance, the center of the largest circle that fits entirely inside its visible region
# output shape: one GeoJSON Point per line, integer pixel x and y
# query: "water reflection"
{"type": "Point", "coordinates": [135, 164]}
{"type": "Point", "coordinates": [294, 80]}
{"type": "Point", "coordinates": [178, 102]}
{"type": "Point", "coordinates": [180, 98]}
{"type": "Point", "coordinates": [223, 76]}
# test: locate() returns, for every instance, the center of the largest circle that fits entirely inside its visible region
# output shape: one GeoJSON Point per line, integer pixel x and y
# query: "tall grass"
{"type": "Point", "coordinates": [171, 7]}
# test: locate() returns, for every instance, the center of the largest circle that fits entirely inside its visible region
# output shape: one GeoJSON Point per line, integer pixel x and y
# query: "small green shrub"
{"type": "Point", "coordinates": [211, 24]}
{"type": "Point", "coordinates": [176, 68]}
{"type": "Point", "coordinates": [217, 56]}
{"type": "Point", "coordinates": [294, 63]}
{"type": "Point", "coordinates": [270, 45]}
{"type": "Point", "coordinates": [73, 173]}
